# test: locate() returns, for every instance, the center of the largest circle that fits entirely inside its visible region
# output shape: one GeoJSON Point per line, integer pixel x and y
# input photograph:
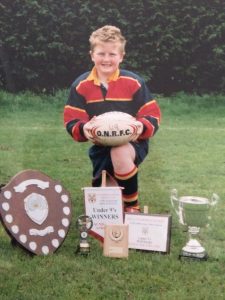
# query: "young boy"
{"type": "Point", "coordinates": [108, 88]}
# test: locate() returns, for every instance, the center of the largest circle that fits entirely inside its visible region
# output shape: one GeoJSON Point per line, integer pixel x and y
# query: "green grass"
{"type": "Point", "coordinates": [187, 153]}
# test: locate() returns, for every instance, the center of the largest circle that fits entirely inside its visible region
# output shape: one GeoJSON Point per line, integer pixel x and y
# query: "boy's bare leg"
{"type": "Point", "coordinates": [125, 172]}
{"type": "Point", "coordinates": [123, 158]}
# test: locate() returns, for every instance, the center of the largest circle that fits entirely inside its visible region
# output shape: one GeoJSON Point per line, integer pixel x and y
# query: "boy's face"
{"type": "Point", "coordinates": [107, 56]}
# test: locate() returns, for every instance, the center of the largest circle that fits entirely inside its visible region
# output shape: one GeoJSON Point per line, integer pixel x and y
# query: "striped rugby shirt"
{"type": "Point", "coordinates": [126, 92]}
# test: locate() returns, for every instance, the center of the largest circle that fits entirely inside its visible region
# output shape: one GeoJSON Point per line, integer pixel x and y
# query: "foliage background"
{"type": "Point", "coordinates": [176, 45]}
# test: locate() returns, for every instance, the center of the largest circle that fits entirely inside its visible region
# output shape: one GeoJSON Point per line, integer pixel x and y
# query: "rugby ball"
{"type": "Point", "coordinates": [113, 128]}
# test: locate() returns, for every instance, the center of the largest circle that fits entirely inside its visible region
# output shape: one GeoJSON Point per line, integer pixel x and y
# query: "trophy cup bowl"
{"type": "Point", "coordinates": [84, 224]}
{"type": "Point", "coordinates": [193, 212]}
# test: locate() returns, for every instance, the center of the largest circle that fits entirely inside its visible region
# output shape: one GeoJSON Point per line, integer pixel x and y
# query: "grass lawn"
{"type": "Point", "coordinates": [187, 154]}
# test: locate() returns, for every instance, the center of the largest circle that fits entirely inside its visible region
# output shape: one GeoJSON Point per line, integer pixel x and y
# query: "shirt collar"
{"type": "Point", "coordinates": [93, 76]}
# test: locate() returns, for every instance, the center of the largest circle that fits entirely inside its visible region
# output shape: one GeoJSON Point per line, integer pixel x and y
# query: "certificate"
{"type": "Point", "coordinates": [104, 205]}
{"type": "Point", "coordinates": [149, 232]}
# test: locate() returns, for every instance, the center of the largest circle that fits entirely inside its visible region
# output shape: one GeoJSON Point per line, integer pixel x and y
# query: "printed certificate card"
{"type": "Point", "coordinates": [104, 205]}
{"type": "Point", "coordinates": [149, 232]}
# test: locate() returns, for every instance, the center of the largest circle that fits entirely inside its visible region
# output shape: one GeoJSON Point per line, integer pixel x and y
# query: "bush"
{"type": "Point", "coordinates": [175, 45]}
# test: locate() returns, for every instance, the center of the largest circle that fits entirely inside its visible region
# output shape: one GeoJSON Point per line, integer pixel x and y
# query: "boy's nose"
{"type": "Point", "coordinates": [106, 57]}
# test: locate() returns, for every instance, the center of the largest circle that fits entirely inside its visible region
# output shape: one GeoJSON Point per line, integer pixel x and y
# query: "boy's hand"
{"type": "Point", "coordinates": [140, 128]}
{"type": "Point", "coordinates": [87, 131]}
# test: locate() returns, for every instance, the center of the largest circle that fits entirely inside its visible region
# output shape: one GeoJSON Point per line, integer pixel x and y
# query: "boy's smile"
{"type": "Point", "coordinates": [107, 57]}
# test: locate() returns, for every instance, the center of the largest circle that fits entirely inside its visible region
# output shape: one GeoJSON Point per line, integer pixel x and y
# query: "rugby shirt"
{"type": "Point", "coordinates": [126, 92]}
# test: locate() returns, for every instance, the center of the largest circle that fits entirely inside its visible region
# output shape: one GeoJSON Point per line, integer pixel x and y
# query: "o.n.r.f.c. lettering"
{"type": "Point", "coordinates": [107, 133]}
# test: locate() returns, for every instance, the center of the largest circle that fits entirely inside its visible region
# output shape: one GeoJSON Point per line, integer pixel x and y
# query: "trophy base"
{"type": "Point", "coordinates": [194, 256]}
{"type": "Point", "coordinates": [193, 250]}
{"type": "Point", "coordinates": [83, 249]}
{"type": "Point", "coordinates": [197, 255]}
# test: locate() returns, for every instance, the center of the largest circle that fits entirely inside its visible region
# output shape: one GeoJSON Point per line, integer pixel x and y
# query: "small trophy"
{"type": "Point", "coordinates": [84, 224]}
{"type": "Point", "coordinates": [193, 212]}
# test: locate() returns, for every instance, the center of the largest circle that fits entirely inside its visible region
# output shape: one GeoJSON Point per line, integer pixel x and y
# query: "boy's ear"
{"type": "Point", "coordinates": [90, 52]}
{"type": "Point", "coordinates": [122, 56]}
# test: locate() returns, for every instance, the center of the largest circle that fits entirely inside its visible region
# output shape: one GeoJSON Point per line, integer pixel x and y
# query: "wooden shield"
{"type": "Point", "coordinates": [35, 211]}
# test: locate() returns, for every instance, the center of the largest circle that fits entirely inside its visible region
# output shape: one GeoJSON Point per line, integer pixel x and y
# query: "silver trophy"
{"type": "Point", "coordinates": [193, 212]}
{"type": "Point", "coordinates": [84, 224]}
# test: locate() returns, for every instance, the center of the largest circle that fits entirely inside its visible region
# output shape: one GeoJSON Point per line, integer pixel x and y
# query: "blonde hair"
{"type": "Point", "coordinates": [107, 33]}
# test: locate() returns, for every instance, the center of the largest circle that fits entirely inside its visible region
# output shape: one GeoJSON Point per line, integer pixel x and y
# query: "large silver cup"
{"type": "Point", "coordinates": [193, 212]}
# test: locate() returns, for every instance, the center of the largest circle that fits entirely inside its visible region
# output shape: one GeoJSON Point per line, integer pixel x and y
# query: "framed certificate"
{"type": "Point", "coordinates": [149, 232]}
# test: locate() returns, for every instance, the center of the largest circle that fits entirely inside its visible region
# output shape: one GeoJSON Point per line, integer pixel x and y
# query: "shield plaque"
{"type": "Point", "coordinates": [35, 211]}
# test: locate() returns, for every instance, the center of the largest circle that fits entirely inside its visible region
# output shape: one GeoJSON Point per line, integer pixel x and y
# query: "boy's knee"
{"type": "Point", "coordinates": [115, 151]}
{"type": "Point", "coordinates": [118, 154]}
{"type": "Point", "coordinates": [122, 158]}
{"type": "Point", "coordinates": [121, 153]}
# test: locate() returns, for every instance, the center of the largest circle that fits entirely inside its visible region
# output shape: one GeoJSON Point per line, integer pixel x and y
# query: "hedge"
{"type": "Point", "coordinates": [175, 45]}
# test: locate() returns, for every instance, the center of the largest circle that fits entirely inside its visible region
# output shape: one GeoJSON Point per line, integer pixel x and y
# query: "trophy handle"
{"type": "Point", "coordinates": [214, 199]}
{"type": "Point", "coordinates": [176, 205]}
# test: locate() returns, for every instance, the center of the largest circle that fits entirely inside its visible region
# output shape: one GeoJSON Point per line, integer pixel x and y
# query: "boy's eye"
{"type": "Point", "coordinates": [104, 54]}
